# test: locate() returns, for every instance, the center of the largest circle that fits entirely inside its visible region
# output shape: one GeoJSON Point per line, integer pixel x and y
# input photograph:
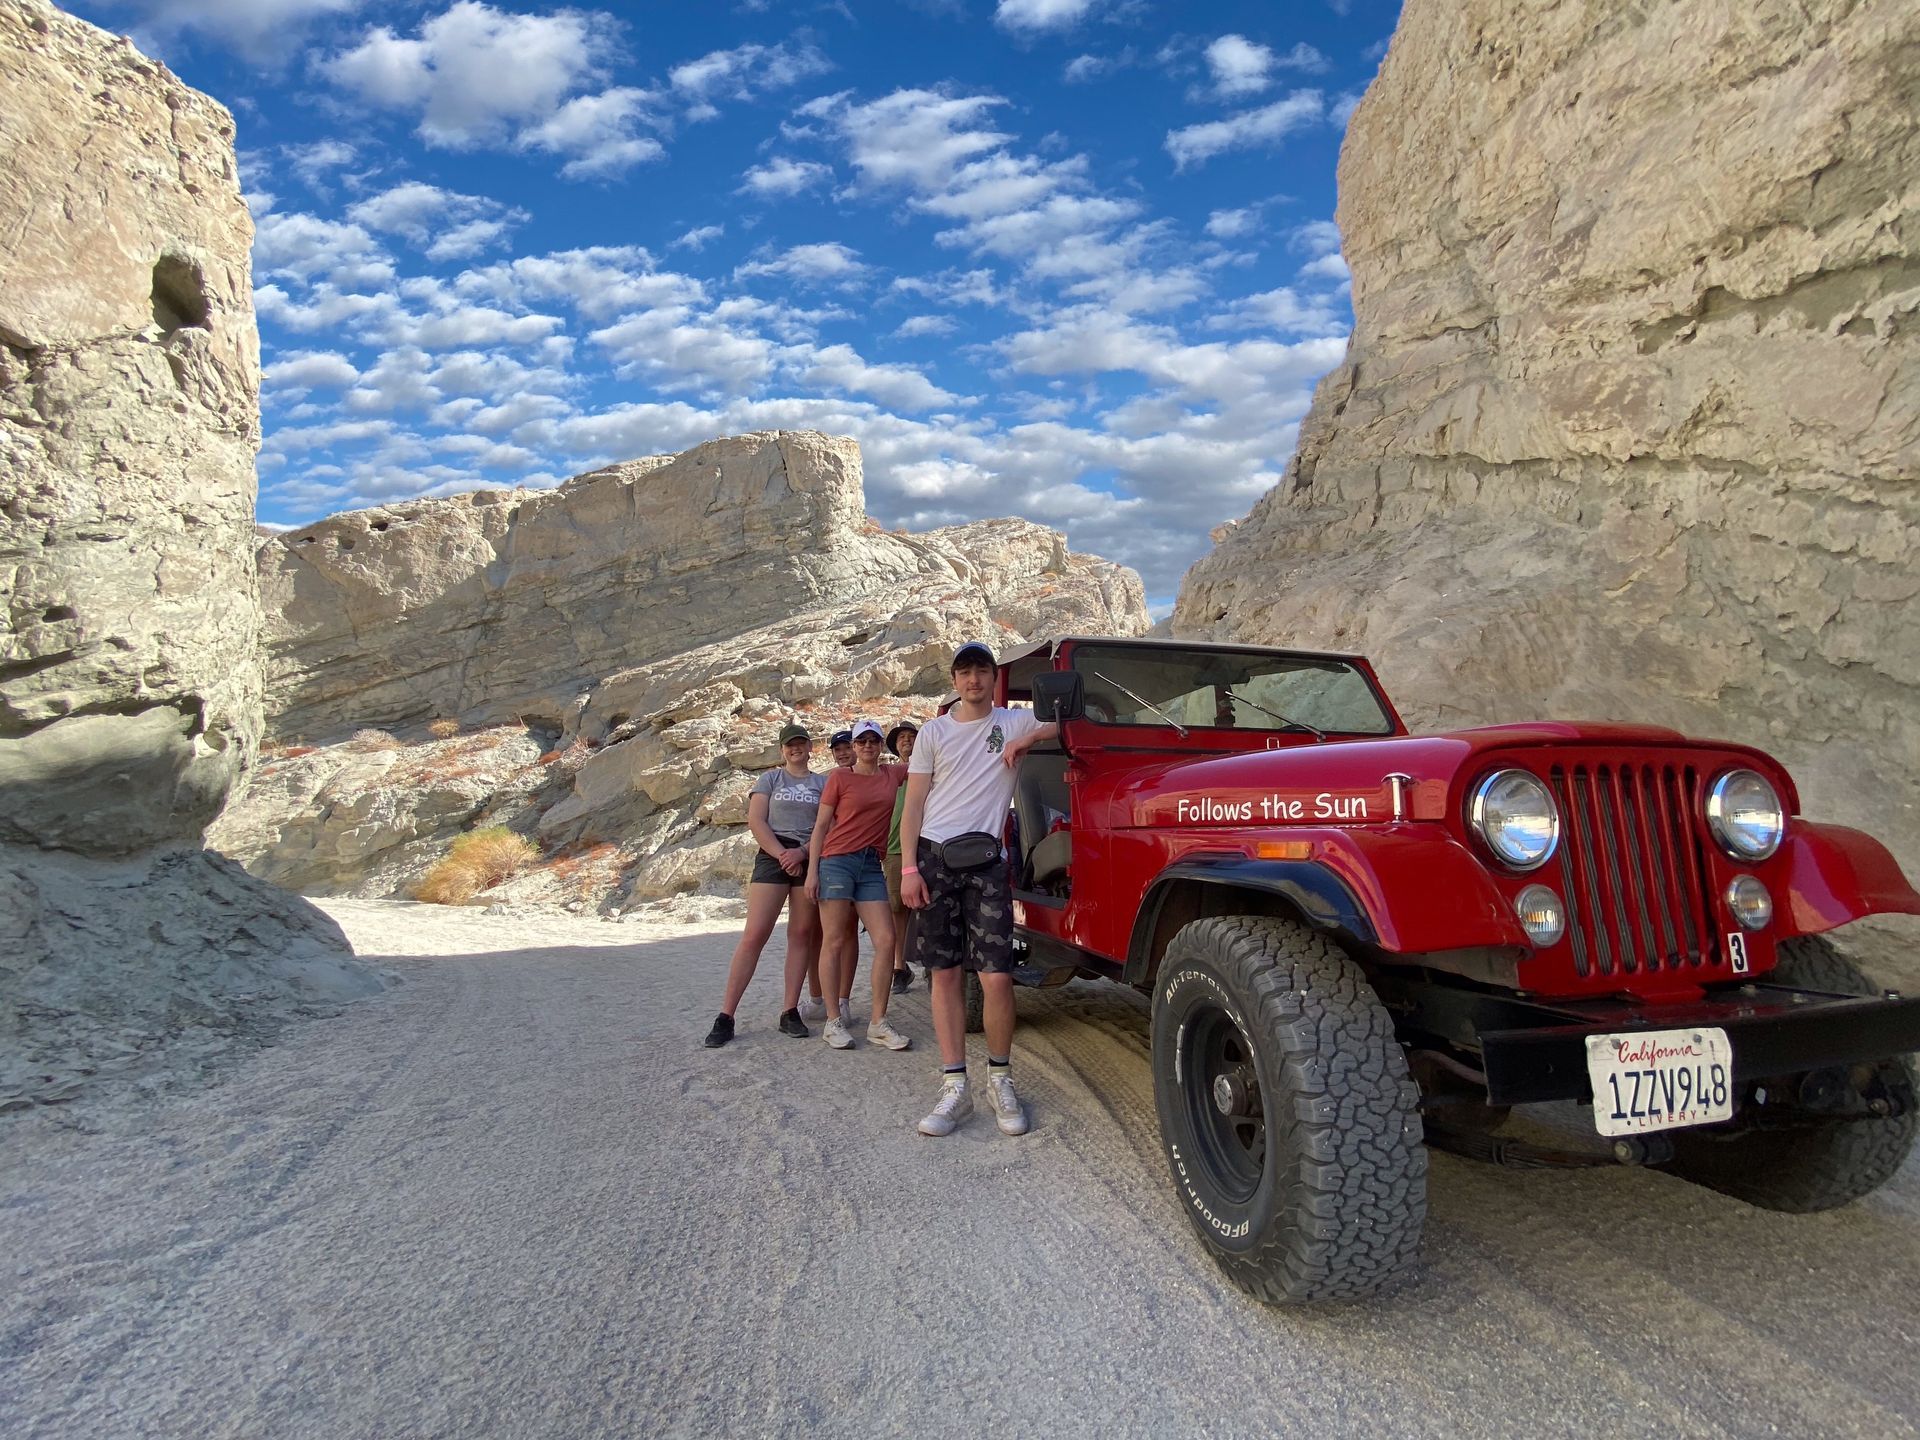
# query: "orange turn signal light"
{"type": "Point", "coordinates": [1284, 850]}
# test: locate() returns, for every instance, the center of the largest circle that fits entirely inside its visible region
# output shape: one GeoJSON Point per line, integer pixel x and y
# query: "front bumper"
{"type": "Point", "coordinates": [1535, 1050]}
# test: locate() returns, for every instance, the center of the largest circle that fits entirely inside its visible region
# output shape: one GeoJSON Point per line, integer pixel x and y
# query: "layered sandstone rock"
{"type": "Point", "coordinates": [1629, 426]}
{"type": "Point", "coordinates": [499, 605]}
{"type": "Point", "coordinates": [130, 679]}
{"type": "Point", "coordinates": [707, 599]}
{"type": "Point", "coordinates": [129, 380]}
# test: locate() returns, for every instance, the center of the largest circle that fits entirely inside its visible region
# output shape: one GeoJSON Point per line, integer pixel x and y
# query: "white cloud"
{"type": "Point", "coordinates": [679, 350]}
{"type": "Point", "coordinates": [1083, 69]}
{"type": "Point", "coordinates": [445, 223]}
{"type": "Point", "coordinates": [315, 161]}
{"type": "Point", "coordinates": [1344, 104]}
{"type": "Point", "coordinates": [1232, 224]}
{"type": "Point", "coordinates": [781, 177]}
{"type": "Point", "coordinates": [304, 369]}
{"type": "Point", "coordinates": [828, 263]}
{"type": "Point", "coordinates": [1033, 16]}
{"type": "Point", "coordinates": [918, 325]}
{"type": "Point", "coordinates": [839, 367]}
{"type": "Point", "coordinates": [699, 237]}
{"type": "Point", "coordinates": [1327, 267]}
{"type": "Point", "coordinates": [597, 131]}
{"type": "Point", "coordinates": [1285, 312]}
{"type": "Point", "coordinates": [302, 246]}
{"type": "Point", "coordinates": [260, 30]}
{"type": "Point", "coordinates": [473, 74]}
{"type": "Point", "coordinates": [1250, 128]}
{"type": "Point", "coordinates": [1239, 66]}
{"type": "Point", "coordinates": [741, 73]}
{"type": "Point", "coordinates": [597, 282]}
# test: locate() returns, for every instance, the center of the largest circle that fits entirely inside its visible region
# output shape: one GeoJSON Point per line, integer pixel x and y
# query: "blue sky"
{"type": "Point", "coordinates": [1071, 260]}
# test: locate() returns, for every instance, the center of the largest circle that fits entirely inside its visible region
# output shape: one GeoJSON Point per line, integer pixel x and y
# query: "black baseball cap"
{"type": "Point", "coordinates": [974, 652]}
{"type": "Point", "coordinates": [840, 737]}
{"type": "Point", "coordinates": [794, 732]}
{"type": "Point", "coordinates": [905, 727]}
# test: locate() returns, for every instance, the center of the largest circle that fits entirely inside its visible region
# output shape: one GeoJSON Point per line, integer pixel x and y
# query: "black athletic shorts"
{"type": "Point", "coordinates": [768, 871]}
{"type": "Point", "coordinates": [967, 920]}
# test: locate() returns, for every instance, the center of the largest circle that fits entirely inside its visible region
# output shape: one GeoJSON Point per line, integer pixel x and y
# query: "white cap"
{"type": "Point", "coordinates": [869, 727]}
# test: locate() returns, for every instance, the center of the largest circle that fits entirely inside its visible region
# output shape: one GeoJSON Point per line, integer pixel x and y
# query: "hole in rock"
{"type": "Point", "coordinates": [179, 294]}
{"type": "Point", "coordinates": [59, 612]}
{"type": "Point", "coordinates": [378, 525]}
{"type": "Point", "coordinates": [345, 542]}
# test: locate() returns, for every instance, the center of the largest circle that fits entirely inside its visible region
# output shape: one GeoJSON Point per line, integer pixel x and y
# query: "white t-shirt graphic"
{"type": "Point", "coordinates": [972, 784]}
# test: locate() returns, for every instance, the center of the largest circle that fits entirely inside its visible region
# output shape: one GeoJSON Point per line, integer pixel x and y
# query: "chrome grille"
{"type": "Point", "coordinates": [1638, 897]}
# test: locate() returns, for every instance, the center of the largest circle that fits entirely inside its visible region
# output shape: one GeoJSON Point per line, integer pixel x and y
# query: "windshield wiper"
{"type": "Point", "coordinates": [1290, 724]}
{"type": "Point", "coordinates": [1147, 703]}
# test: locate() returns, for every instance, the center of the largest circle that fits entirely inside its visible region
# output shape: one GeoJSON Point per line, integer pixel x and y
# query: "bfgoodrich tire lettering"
{"type": "Point", "coordinates": [1820, 1166]}
{"type": "Point", "coordinates": [1289, 1119]}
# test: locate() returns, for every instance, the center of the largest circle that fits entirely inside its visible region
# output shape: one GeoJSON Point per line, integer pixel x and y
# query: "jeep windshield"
{"type": "Point", "coordinates": [1227, 690]}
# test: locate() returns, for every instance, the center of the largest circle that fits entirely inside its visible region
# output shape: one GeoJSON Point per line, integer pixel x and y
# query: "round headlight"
{"type": "Point", "coordinates": [1745, 816]}
{"type": "Point", "coordinates": [1752, 906]}
{"type": "Point", "coordinates": [1517, 818]}
{"type": "Point", "coordinates": [1541, 915]}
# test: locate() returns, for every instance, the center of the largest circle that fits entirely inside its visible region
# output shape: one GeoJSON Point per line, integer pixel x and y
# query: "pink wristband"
{"type": "Point", "coordinates": [909, 869]}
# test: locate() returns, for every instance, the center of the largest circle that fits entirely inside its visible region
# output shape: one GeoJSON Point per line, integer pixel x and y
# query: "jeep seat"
{"type": "Point", "coordinates": [1040, 797]}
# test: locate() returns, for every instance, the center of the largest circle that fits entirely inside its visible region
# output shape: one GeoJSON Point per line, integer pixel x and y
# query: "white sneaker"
{"type": "Point", "coordinates": [813, 1008]}
{"type": "Point", "coordinates": [837, 1036]}
{"type": "Point", "coordinates": [1007, 1108]}
{"type": "Point", "coordinates": [955, 1105]}
{"type": "Point", "coordinates": [881, 1032]}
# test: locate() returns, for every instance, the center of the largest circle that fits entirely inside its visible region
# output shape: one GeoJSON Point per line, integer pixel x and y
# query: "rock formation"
{"type": "Point", "coordinates": [1629, 426]}
{"type": "Point", "coordinates": [621, 653]}
{"type": "Point", "coordinates": [130, 681]}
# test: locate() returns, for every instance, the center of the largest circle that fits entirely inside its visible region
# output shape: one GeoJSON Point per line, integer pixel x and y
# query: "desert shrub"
{"type": "Point", "coordinates": [448, 883]}
{"type": "Point", "coordinates": [495, 853]}
{"type": "Point", "coordinates": [444, 729]}
{"type": "Point", "coordinates": [373, 740]}
{"type": "Point", "coordinates": [476, 861]}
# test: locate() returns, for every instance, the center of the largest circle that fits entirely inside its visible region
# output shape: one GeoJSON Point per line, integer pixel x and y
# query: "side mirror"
{"type": "Point", "coordinates": [1058, 695]}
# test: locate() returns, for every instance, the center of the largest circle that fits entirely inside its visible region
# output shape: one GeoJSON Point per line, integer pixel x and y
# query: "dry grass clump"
{"type": "Point", "coordinates": [444, 729]}
{"type": "Point", "coordinates": [373, 740]}
{"type": "Point", "coordinates": [476, 861]}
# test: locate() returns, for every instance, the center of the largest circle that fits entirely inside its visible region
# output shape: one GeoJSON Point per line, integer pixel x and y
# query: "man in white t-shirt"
{"type": "Point", "coordinates": [959, 784]}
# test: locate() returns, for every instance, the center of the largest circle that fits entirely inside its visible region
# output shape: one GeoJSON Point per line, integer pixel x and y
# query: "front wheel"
{"type": "Point", "coordinates": [1286, 1111]}
{"type": "Point", "coordinates": [1816, 1163]}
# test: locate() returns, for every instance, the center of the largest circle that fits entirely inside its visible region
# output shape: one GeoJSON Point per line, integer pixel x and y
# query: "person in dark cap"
{"type": "Point", "coordinates": [900, 740]}
{"type": "Point", "coordinates": [959, 786]}
{"type": "Point", "coordinates": [781, 809]}
{"type": "Point", "coordinates": [841, 748]}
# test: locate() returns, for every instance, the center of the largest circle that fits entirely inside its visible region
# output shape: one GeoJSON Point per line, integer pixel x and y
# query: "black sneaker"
{"type": "Point", "coordinates": [792, 1024]}
{"type": "Point", "coordinates": [902, 981]}
{"type": "Point", "coordinates": [721, 1032]}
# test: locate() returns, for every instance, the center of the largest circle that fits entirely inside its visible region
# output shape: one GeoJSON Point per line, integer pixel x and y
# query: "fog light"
{"type": "Point", "coordinates": [1541, 915]}
{"type": "Point", "coordinates": [1752, 906]}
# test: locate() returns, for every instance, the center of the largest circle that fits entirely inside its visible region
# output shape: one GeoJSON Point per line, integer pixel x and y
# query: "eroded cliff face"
{"type": "Point", "coordinates": [129, 415]}
{"type": "Point", "coordinates": [130, 677]}
{"type": "Point", "coordinates": [1629, 426]}
{"type": "Point", "coordinates": [617, 657]}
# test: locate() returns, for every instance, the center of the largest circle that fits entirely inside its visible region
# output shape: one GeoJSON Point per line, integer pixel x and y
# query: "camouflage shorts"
{"type": "Point", "coordinates": [967, 920]}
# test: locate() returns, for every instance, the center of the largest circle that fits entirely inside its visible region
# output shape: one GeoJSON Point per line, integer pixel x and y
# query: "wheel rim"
{"type": "Point", "coordinates": [1226, 1109]}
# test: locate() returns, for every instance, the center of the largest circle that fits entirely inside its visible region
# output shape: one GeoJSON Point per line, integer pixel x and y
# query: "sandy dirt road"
{"type": "Point", "coordinates": [514, 1197]}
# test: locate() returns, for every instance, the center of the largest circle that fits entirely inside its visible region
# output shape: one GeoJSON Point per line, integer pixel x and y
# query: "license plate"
{"type": "Point", "coordinates": [1660, 1079]}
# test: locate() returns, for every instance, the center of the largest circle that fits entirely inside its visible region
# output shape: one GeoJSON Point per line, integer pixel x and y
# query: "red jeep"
{"type": "Point", "coordinates": [1360, 941]}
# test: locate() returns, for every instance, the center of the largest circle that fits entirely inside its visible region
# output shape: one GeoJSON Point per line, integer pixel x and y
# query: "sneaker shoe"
{"type": "Point", "coordinates": [790, 1025]}
{"type": "Point", "coordinates": [1007, 1109]}
{"type": "Point", "coordinates": [721, 1032]}
{"type": "Point", "coordinates": [836, 1034]}
{"type": "Point", "coordinates": [902, 979]}
{"type": "Point", "coordinates": [813, 1008]}
{"type": "Point", "coordinates": [881, 1032]}
{"type": "Point", "coordinates": [955, 1104]}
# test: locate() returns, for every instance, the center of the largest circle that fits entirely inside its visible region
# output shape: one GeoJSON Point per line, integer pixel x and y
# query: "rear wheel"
{"type": "Point", "coordinates": [1810, 1162]}
{"type": "Point", "coordinates": [1286, 1111]}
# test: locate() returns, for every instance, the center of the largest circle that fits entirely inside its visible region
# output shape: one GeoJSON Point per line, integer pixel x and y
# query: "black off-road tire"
{"type": "Point", "coordinates": [1330, 1201]}
{"type": "Point", "coordinates": [976, 1004]}
{"type": "Point", "coordinates": [1821, 1166]}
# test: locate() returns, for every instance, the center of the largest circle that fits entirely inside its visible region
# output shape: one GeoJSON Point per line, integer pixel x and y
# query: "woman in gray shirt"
{"type": "Point", "coordinates": [781, 809]}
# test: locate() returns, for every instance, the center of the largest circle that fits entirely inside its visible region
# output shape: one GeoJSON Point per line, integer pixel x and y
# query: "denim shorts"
{"type": "Point", "coordinates": [856, 877]}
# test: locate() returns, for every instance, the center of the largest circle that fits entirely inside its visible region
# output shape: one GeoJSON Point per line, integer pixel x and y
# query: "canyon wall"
{"type": "Point", "coordinates": [1629, 424]}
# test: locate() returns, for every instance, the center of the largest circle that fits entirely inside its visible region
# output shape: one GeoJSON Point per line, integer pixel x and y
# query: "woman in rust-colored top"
{"type": "Point", "coordinates": [845, 874]}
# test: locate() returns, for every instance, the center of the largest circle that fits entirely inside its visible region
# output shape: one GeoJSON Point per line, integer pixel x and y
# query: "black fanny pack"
{"type": "Point", "coordinates": [974, 850]}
